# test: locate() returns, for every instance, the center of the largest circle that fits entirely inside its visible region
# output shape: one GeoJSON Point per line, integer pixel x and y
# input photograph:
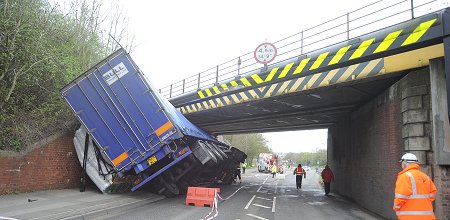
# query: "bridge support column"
{"type": "Point", "coordinates": [446, 67]}
{"type": "Point", "coordinates": [439, 116]}
{"type": "Point", "coordinates": [439, 86]}
{"type": "Point", "coordinates": [410, 116]}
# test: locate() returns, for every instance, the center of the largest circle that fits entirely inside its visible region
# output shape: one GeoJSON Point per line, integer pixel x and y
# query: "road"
{"type": "Point", "coordinates": [262, 197]}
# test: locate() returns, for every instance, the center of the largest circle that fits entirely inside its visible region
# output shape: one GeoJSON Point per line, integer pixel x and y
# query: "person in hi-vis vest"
{"type": "Point", "coordinates": [274, 170]}
{"type": "Point", "coordinates": [300, 173]}
{"type": "Point", "coordinates": [414, 191]}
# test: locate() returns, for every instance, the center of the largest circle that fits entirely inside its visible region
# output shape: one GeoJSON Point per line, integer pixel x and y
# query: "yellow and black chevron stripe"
{"type": "Point", "coordinates": [346, 53]}
{"type": "Point", "coordinates": [391, 64]}
{"type": "Point", "coordinates": [353, 72]}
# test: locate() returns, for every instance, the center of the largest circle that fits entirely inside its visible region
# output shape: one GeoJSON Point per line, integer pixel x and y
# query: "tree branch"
{"type": "Point", "coordinates": [19, 73]}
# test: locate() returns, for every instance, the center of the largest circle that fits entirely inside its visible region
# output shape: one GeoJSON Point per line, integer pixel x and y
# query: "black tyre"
{"type": "Point", "coordinates": [168, 182]}
{"type": "Point", "coordinates": [182, 186]}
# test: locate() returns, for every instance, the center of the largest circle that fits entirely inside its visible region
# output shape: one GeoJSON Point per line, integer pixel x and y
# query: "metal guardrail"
{"type": "Point", "coordinates": [374, 16]}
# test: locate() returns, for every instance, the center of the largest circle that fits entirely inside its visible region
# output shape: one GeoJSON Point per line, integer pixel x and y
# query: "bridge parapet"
{"type": "Point", "coordinates": [377, 15]}
{"type": "Point", "coordinates": [403, 46]}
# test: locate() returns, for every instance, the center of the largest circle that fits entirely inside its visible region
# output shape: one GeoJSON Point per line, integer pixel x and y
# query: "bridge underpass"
{"type": "Point", "coordinates": [379, 95]}
{"type": "Point", "coordinates": [312, 109]}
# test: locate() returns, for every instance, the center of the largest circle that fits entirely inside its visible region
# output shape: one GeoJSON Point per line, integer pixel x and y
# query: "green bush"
{"type": "Point", "coordinates": [16, 145]}
{"type": "Point", "coordinates": [43, 48]}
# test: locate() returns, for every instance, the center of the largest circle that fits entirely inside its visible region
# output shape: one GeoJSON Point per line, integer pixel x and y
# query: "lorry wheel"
{"type": "Point", "coordinates": [229, 178]}
{"type": "Point", "coordinates": [171, 189]}
{"type": "Point", "coordinates": [182, 186]}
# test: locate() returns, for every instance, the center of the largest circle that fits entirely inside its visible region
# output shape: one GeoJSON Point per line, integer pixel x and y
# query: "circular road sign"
{"type": "Point", "coordinates": [265, 53]}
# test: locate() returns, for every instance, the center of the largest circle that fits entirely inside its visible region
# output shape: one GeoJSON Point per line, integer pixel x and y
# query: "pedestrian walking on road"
{"type": "Point", "coordinates": [327, 177]}
{"type": "Point", "coordinates": [414, 191]}
{"type": "Point", "coordinates": [274, 170]}
{"type": "Point", "coordinates": [300, 173]}
{"type": "Point", "coordinates": [244, 165]}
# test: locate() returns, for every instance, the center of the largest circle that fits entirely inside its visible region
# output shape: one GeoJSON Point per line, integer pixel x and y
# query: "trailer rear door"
{"type": "Point", "coordinates": [113, 101]}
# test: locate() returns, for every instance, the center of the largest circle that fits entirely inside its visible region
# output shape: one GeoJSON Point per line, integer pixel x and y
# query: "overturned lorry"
{"type": "Point", "coordinates": [131, 137]}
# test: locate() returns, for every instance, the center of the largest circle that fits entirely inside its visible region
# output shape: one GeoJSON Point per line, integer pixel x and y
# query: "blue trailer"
{"type": "Point", "coordinates": [139, 133]}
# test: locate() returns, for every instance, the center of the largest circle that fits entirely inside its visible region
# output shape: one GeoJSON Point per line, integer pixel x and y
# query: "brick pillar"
{"type": "Point", "coordinates": [416, 108]}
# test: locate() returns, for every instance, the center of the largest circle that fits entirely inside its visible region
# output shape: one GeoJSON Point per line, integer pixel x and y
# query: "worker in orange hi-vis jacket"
{"type": "Point", "coordinates": [299, 173]}
{"type": "Point", "coordinates": [414, 191]}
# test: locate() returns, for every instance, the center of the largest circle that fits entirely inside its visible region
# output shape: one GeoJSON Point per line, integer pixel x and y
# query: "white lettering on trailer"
{"type": "Point", "coordinates": [116, 73]}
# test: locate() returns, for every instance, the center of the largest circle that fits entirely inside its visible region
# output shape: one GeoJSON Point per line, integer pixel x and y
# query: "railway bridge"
{"type": "Point", "coordinates": [379, 94]}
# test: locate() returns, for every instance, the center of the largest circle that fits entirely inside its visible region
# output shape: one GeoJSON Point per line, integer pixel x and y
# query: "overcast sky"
{"type": "Point", "coordinates": [297, 141]}
{"type": "Point", "coordinates": [177, 38]}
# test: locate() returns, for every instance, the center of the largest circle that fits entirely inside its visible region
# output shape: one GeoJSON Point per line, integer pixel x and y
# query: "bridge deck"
{"type": "Point", "coordinates": [316, 89]}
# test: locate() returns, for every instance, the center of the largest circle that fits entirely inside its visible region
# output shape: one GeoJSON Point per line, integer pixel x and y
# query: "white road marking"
{"type": "Point", "coordinates": [263, 206]}
{"type": "Point", "coordinates": [250, 202]}
{"type": "Point", "coordinates": [263, 198]}
{"type": "Point", "coordinates": [259, 188]}
{"type": "Point", "coordinates": [276, 186]}
{"type": "Point", "coordinates": [274, 203]}
{"type": "Point", "coordinates": [6, 218]}
{"type": "Point", "coordinates": [255, 216]}
{"type": "Point", "coordinates": [317, 203]}
{"type": "Point", "coordinates": [293, 196]}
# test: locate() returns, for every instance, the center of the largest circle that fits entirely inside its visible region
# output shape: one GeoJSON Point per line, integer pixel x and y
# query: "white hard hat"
{"type": "Point", "coordinates": [409, 157]}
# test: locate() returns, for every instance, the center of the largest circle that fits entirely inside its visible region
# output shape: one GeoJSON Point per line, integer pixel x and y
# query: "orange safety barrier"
{"type": "Point", "coordinates": [201, 196]}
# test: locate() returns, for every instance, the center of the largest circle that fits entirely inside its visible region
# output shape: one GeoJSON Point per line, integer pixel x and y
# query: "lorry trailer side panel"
{"type": "Point", "coordinates": [141, 134]}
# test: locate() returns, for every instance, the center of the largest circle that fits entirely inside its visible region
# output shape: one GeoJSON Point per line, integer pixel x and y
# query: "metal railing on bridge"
{"type": "Point", "coordinates": [375, 16]}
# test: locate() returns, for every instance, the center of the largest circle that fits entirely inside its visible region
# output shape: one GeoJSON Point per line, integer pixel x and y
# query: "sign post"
{"type": "Point", "coordinates": [265, 53]}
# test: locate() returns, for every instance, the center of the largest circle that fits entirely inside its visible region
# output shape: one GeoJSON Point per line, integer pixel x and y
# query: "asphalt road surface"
{"type": "Point", "coordinates": [262, 197]}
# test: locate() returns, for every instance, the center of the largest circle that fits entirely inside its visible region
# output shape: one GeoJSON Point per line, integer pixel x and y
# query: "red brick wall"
{"type": "Point", "coordinates": [442, 182]}
{"type": "Point", "coordinates": [53, 165]}
{"type": "Point", "coordinates": [364, 147]}
{"type": "Point", "coordinates": [363, 152]}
